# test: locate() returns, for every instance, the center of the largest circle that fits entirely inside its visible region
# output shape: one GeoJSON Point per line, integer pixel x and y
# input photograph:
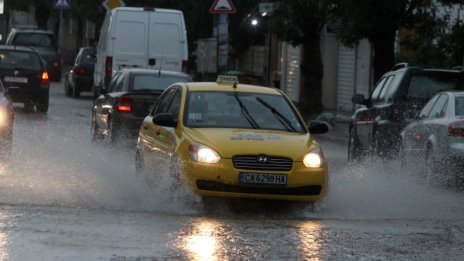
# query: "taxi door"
{"type": "Point", "coordinates": [159, 142]}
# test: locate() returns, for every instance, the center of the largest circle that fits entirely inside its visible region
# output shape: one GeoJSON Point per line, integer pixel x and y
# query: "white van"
{"type": "Point", "coordinates": [140, 37]}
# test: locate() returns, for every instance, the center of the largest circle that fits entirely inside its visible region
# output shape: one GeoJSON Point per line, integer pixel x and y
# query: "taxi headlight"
{"type": "Point", "coordinates": [3, 117]}
{"type": "Point", "coordinates": [203, 153]}
{"type": "Point", "coordinates": [313, 159]}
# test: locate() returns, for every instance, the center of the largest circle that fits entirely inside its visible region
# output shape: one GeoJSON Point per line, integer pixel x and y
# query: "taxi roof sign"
{"type": "Point", "coordinates": [227, 79]}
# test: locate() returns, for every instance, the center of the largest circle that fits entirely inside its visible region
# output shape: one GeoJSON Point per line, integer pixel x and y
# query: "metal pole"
{"type": "Point", "coordinates": [61, 30]}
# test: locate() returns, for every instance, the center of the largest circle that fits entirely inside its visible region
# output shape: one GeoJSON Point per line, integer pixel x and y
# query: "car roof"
{"type": "Point", "coordinates": [17, 47]}
{"type": "Point", "coordinates": [213, 86]}
{"type": "Point", "coordinates": [31, 30]}
{"type": "Point", "coordinates": [162, 72]}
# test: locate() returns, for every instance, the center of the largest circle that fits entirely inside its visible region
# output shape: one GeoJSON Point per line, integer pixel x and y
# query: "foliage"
{"type": "Point", "coordinates": [300, 22]}
{"type": "Point", "coordinates": [379, 22]}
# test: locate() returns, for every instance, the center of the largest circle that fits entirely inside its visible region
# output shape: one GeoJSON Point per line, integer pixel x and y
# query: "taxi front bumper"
{"type": "Point", "coordinates": [222, 180]}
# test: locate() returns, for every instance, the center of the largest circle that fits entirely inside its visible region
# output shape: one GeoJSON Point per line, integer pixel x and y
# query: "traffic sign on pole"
{"type": "Point", "coordinates": [111, 4]}
{"type": "Point", "coordinates": [62, 4]}
{"type": "Point", "coordinates": [222, 7]}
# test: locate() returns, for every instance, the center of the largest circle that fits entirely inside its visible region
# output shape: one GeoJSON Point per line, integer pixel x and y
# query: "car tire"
{"type": "Point", "coordinates": [139, 164]}
{"type": "Point", "coordinates": [112, 135]}
{"type": "Point", "coordinates": [29, 106]}
{"type": "Point", "coordinates": [354, 148]}
{"type": "Point", "coordinates": [42, 104]}
{"type": "Point", "coordinates": [6, 146]}
{"type": "Point", "coordinates": [94, 129]}
{"type": "Point", "coordinates": [67, 89]}
{"type": "Point", "coordinates": [431, 168]}
{"type": "Point", "coordinates": [76, 93]}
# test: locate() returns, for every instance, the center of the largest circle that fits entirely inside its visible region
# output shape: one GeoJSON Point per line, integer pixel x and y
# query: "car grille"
{"type": "Point", "coordinates": [254, 163]}
{"type": "Point", "coordinates": [312, 190]}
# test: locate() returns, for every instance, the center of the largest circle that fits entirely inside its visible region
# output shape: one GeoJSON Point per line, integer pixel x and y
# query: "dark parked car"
{"type": "Point", "coordinates": [130, 96]}
{"type": "Point", "coordinates": [80, 77]}
{"type": "Point", "coordinates": [44, 42]}
{"type": "Point", "coordinates": [396, 100]}
{"type": "Point", "coordinates": [6, 123]}
{"type": "Point", "coordinates": [25, 77]}
{"type": "Point", "coordinates": [435, 142]}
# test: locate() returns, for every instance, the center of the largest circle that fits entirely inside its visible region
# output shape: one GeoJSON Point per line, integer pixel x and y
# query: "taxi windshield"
{"type": "Point", "coordinates": [210, 109]}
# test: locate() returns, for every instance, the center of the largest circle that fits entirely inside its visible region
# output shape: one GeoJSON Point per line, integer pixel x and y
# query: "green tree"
{"type": "Point", "coordinates": [379, 22]}
{"type": "Point", "coordinates": [300, 22]}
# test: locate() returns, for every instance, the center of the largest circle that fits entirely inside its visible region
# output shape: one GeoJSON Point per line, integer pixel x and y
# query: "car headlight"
{"type": "Point", "coordinates": [313, 159]}
{"type": "Point", "coordinates": [203, 153]}
{"type": "Point", "coordinates": [3, 117]}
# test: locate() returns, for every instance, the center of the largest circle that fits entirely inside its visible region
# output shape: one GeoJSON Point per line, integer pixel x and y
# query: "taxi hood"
{"type": "Point", "coordinates": [230, 142]}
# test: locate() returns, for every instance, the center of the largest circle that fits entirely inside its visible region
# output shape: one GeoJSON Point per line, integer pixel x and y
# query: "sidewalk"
{"type": "Point", "coordinates": [338, 130]}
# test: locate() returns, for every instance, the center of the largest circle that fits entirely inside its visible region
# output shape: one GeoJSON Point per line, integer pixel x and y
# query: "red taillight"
{"type": "Point", "coordinates": [44, 78]}
{"type": "Point", "coordinates": [416, 135]}
{"type": "Point", "coordinates": [109, 66]}
{"type": "Point", "coordinates": [184, 66]}
{"type": "Point", "coordinates": [456, 129]}
{"type": "Point", "coordinates": [125, 104]}
{"type": "Point", "coordinates": [80, 70]}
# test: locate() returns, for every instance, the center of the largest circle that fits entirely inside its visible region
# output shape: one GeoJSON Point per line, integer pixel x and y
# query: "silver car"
{"type": "Point", "coordinates": [435, 142]}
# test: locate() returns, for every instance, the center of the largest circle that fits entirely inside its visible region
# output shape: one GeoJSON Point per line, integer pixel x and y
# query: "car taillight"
{"type": "Point", "coordinates": [44, 78]}
{"type": "Point", "coordinates": [80, 70]}
{"type": "Point", "coordinates": [416, 135]}
{"type": "Point", "coordinates": [109, 66]}
{"type": "Point", "coordinates": [125, 103]}
{"type": "Point", "coordinates": [456, 129]}
{"type": "Point", "coordinates": [184, 66]}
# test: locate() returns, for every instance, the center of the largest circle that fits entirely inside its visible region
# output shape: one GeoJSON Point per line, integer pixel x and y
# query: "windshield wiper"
{"type": "Point", "coordinates": [246, 113]}
{"type": "Point", "coordinates": [282, 119]}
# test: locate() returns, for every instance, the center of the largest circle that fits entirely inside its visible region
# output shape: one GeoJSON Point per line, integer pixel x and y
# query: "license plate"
{"type": "Point", "coordinates": [259, 178]}
{"type": "Point", "coordinates": [15, 79]}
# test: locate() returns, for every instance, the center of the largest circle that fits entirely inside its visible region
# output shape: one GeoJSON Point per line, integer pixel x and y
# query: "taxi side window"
{"type": "Point", "coordinates": [174, 107]}
{"type": "Point", "coordinates": [163, 102]}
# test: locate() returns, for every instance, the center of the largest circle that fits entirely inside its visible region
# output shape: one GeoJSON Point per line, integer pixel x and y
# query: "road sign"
{"type": "Point", "coordinates": [222, 7]}
{"type": "Point", "coordinates": [62, 4]}
{"type": "Point", "coordinates": [111, 4]}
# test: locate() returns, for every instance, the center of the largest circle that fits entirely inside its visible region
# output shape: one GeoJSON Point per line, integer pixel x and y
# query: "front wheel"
{"type": "Point", "coordinates": [139, 165]}
{"type": "Point", "coordinates": [76, 91]}
{"type": "Point", "coordinates": [67, 89]}
{"type": "Point", "coordinates": [94, 128]}
{"type": "Point", "coordinates": [354, 148]}
{"type": "Point", "coordinates": [42, 105]}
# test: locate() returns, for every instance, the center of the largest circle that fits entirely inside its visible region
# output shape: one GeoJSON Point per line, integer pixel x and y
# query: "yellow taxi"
{"type": "Point", "coordinates": [226, 139]}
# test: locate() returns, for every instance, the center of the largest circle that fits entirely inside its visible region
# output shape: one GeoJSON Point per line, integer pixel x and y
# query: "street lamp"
{"type": "Point", "coordinates": [254, 22]}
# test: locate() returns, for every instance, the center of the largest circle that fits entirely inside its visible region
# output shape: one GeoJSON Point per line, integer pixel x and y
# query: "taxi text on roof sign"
{"type": "Point", "coordinates": [227, 79]}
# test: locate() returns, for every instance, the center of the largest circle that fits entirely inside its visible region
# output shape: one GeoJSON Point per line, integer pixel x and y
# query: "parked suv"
{"type": "Point", "coordinates": [44, 42]}
{"type": "Point", "coordinates": [395, 101]}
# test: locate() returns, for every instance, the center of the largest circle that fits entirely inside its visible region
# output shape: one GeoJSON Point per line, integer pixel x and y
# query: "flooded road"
{"type": "Point", "coordinates": [63, 197]}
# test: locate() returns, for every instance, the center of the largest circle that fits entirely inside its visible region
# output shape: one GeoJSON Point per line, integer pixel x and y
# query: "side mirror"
{"type": "Point", "coordinates": [318, 127]}
{"type": "Point", "coordinates": [165, 119]}
{"type": "Point", "coordinates": [359, 99]}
